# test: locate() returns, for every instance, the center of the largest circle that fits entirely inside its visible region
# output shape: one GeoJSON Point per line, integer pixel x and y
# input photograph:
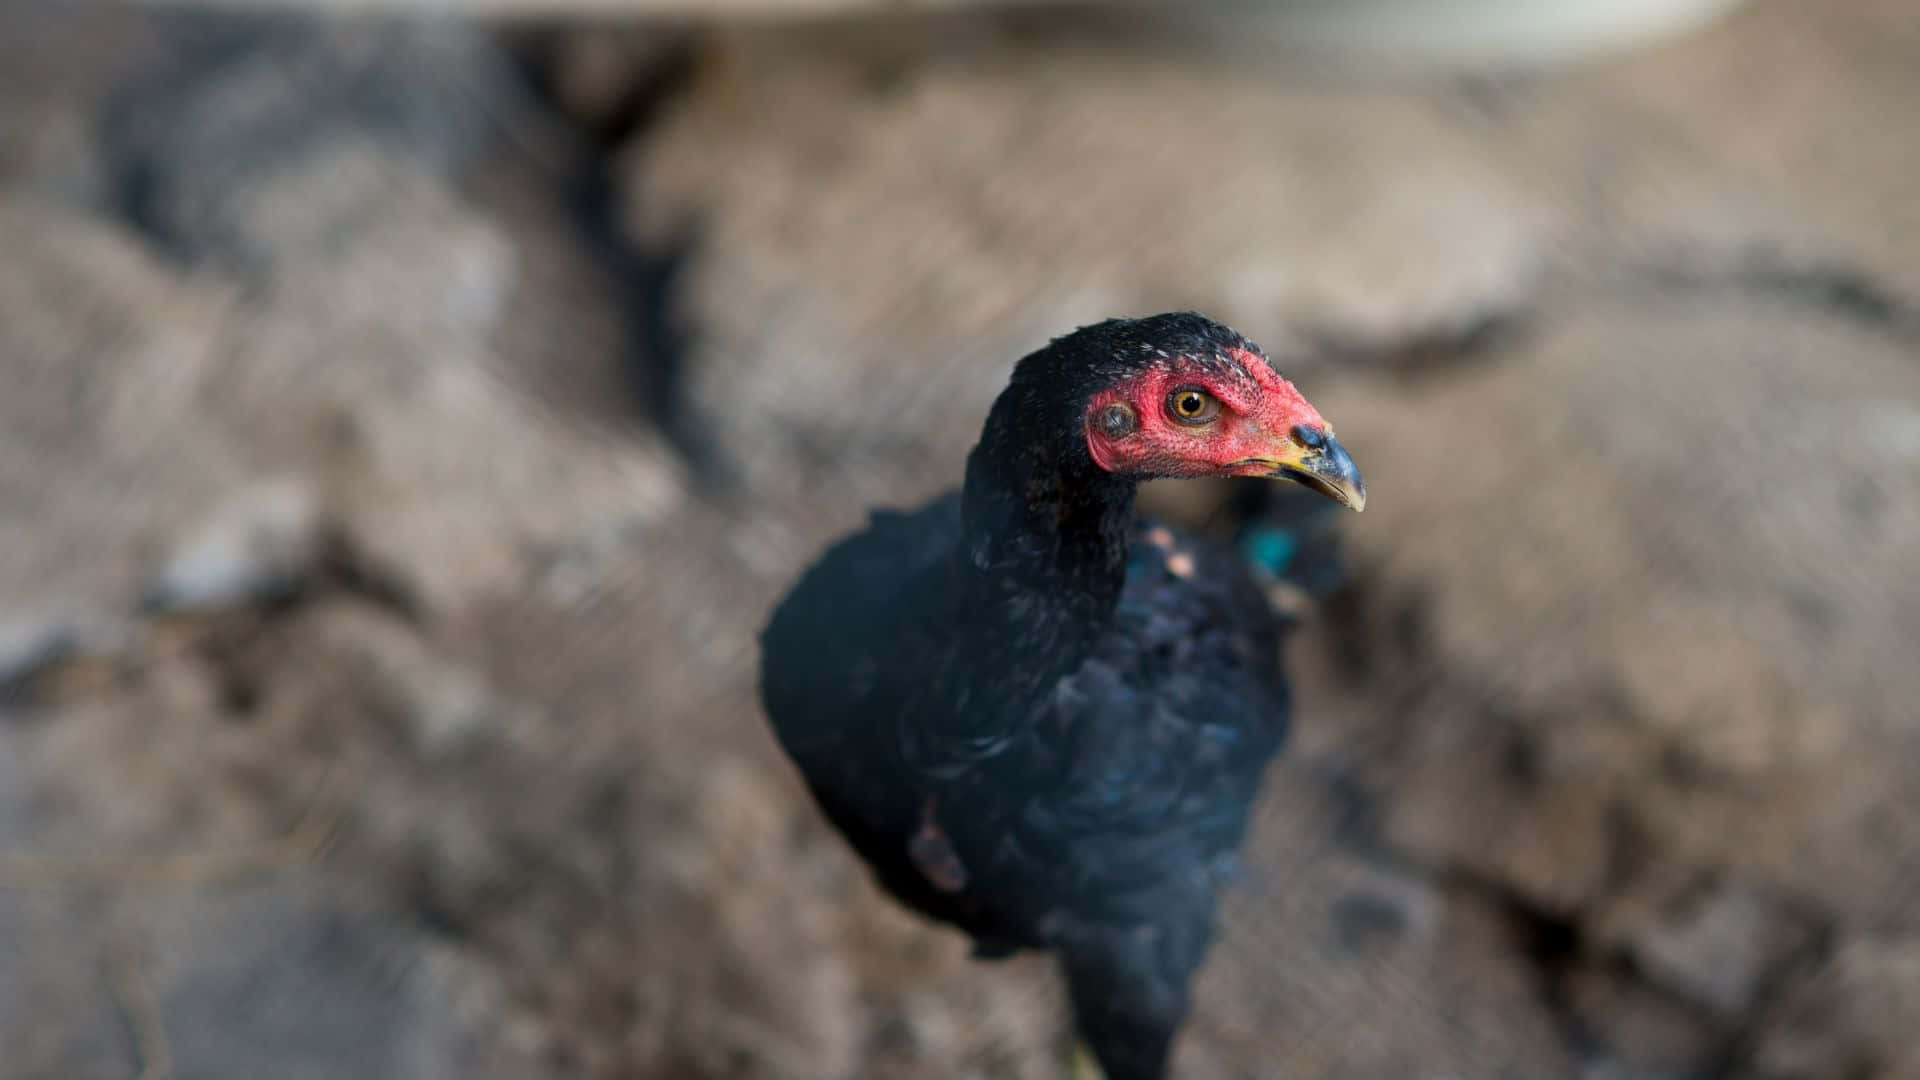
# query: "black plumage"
{"type": "Point", "coordinates": [1038, 719]}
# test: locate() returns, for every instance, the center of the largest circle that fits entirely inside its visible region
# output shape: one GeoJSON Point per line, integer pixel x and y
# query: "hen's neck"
{"type": "Point", "coordinates": [1038, 574]}
{"type": "Point", "coordinates": [1041, 518]}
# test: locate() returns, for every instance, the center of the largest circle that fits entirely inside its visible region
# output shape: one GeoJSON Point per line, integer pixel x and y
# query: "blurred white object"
{"type": "Point", "coordinates": [1421, 31]}
{"type": "Point", "coordinates": [1464, 31]}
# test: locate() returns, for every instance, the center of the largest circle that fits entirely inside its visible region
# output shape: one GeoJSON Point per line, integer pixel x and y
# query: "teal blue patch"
{"type": "Point", "coordinates": [1270, 549]}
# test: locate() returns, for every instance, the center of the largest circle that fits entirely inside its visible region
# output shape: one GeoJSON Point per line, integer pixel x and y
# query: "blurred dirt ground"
{"type": "Point", "coordinates": [405, 427]}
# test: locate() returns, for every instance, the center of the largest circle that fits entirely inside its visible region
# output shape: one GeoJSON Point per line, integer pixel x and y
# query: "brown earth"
{"type": "Point", "coordinates": [406, 427]}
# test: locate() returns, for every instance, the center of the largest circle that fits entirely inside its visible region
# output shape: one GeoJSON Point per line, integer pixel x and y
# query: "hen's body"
{"type": "Point", "coordinates": [1039, 721]}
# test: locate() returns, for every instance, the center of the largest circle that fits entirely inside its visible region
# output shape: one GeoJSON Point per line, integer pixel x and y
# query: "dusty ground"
{"type": "Point", "coordinates": [405, 428]}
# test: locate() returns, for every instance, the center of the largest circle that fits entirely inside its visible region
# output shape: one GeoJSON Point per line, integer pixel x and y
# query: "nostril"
{"type": "Point", "coordinates": [1310, 437]}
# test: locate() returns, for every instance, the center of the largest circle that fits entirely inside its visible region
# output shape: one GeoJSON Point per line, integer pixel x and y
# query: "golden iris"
{"type": "Point", "coordinates": [1192, 405]}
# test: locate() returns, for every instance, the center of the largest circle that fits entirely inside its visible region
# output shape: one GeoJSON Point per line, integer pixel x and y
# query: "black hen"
{"type": "Point", "coordinates": [1039, 720]}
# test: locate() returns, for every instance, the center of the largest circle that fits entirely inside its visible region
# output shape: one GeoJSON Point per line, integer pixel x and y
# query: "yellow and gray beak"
{"type": "Point", "coordinates": [1313, 457]}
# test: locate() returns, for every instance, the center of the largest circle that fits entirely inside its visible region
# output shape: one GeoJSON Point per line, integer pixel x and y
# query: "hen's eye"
{"type": "Point", "coordinates": [1192, 405]}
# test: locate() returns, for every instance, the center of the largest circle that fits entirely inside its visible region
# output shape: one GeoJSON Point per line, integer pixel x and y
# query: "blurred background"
{"type": "Point", "coordinates": [408, 417]}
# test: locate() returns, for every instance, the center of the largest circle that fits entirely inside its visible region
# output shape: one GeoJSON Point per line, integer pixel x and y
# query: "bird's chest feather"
{"type": "Point", "coordinates": [1138, 765]}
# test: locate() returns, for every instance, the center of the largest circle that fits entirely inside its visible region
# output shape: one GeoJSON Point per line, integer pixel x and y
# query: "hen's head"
{"type": "Point", "coordinates": [1179, 395]}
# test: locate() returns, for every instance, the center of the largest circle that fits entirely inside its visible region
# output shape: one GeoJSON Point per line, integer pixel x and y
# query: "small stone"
{"type": "Point", "coordinates": [29, 647]}
{"type": "Point", "coordinates": [1719, 950]}
{"type": "Point", "coordinates": [261, 543]}
{"type": "Point", "coordinates": [26, 646]}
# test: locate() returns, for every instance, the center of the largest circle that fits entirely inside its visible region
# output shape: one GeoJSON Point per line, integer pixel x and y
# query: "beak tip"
{"type": "Point", "coordinates": [1320, 463]}
{"type": "Point", "coordinates": [1340, 476]}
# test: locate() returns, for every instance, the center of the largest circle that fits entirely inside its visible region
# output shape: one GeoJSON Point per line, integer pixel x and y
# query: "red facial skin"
{"type": "Point", "coordinates": [1258, 412]}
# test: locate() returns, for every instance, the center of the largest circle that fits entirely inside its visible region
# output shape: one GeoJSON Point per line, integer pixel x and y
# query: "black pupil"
{"type": "Point", "coordinates": [1189, 403]}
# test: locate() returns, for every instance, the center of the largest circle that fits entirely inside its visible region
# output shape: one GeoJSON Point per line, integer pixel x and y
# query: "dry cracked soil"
{"type": "Point", "coordinates": [406, 425]}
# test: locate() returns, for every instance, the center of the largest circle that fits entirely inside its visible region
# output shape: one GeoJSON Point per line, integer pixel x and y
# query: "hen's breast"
{"type": "Point", "coordinates": [1143, 764]}
{"type": "Point", "coordinates": [1135, 770]}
